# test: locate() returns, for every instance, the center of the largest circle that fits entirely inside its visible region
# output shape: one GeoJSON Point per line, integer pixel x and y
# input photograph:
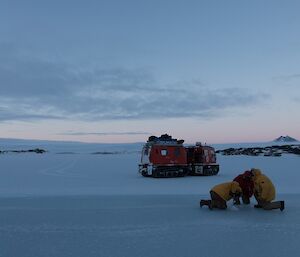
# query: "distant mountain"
{"type": "Point", "coordinates": [285, 139]}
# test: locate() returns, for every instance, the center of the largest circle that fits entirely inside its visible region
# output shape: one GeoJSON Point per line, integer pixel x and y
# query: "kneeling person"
{"type": "Point", "coordinates": [222, 193]}
{"type": "Point", "coordinates": [246, 183]}
{"type": "Point", "coordinates": [264, 192]}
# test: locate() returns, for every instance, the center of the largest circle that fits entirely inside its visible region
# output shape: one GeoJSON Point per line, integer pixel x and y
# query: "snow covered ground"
{"type": "Point", "coordinates": [85, 204]}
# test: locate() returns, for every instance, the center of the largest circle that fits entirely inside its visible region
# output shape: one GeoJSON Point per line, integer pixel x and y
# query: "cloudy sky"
{"type": "Point", "coordinates": [119, 71]}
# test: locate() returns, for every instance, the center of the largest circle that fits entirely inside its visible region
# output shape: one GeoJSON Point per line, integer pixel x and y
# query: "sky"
{"type": "Point", "coordinates": [119, 71]}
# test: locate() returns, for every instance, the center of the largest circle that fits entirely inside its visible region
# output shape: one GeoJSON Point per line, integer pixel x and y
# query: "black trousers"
{"type": "Point", "coordinates": [217, 201]}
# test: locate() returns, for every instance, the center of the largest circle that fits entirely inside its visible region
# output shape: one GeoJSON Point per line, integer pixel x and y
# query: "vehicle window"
{"type": "Point", "coordinates": [163, 152]}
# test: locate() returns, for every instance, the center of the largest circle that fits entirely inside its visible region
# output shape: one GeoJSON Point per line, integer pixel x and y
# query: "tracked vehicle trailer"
{"type": "Point", "coordinates": [202, 160]}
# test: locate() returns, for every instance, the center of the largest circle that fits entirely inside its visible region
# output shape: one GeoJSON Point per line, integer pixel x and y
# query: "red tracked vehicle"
{"type": "Point", "coordinates": [163, 157]}
{"type": "Point", "coordinates": [167, 157]}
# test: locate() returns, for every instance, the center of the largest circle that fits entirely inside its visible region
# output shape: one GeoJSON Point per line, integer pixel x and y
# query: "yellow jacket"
{"type": "Point", "coordinates": [263, 186]}
{"type": "Point", "coordinates": [226, 190]}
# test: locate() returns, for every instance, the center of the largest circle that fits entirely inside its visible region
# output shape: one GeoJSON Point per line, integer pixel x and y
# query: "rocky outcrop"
{"type": "Point", "coordinates": [108, 152]}
{"type": "Point", "coordinates": [36, 150]}
{"type": "Point", "coordinates": [115, 152]}
{"type": "Point", "coordinates": [275, 150]}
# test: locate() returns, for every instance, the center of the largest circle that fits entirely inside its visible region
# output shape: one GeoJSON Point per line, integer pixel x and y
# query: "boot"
{"type": "Point", "coordinates": [203, 202]}
{"type": "Point", "coordinates": [257, 206]}
{"type": "Point", "coordinates": [206, 202]}
{"type": "Point", "coordinates": [281, 205]}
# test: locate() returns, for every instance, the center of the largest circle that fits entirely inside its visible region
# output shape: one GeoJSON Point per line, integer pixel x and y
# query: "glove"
{"type": "Point", "coordinates": [236, 199]}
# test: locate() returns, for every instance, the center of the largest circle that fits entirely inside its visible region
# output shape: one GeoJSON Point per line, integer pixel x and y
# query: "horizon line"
{"type": "Point", "coordinates": [137, 142]}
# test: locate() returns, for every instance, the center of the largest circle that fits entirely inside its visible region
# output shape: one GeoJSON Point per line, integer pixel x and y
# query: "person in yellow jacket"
{"type": "Point", "coordinates": [264, 192]}
{"type": "Point", "coordinates": [222, 193]}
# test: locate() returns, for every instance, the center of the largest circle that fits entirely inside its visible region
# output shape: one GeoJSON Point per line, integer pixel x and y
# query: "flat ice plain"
{"type": "Point", "coordinates": [84, 204]}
